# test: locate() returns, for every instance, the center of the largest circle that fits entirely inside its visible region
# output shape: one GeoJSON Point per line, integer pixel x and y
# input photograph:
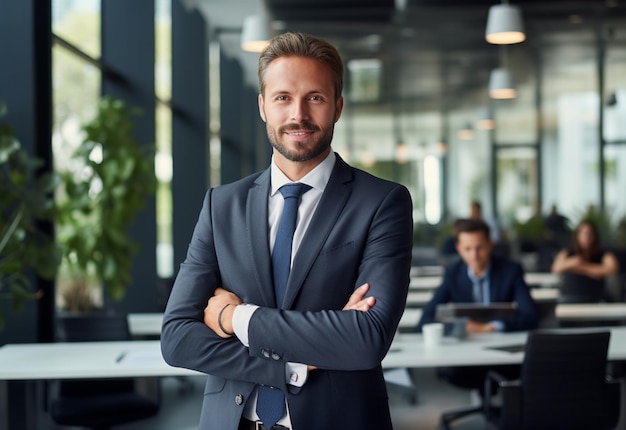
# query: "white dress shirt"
{"type": "Point", "coordinates": [317, 179]}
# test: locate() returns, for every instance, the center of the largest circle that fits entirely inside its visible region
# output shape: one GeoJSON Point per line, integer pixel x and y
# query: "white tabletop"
{"type": "Point", "coordinates": [545, 294]}
{"type": "Point", "coordinates": [425, 282]}
{"type": "Point", "coordinates": [145, 324]}
{"type": "Point", "coordinates": [542, 279]}
{"type": "Point", "coordinates": [591, 311]}
{"type": "Point", "coordinates": [143, 358]}
{"type": "Point", "coordinates": [407, 349]}
{"type": "Point", "coordinates": [533, 279]}
{"type": "Point", "coordinates": [410, 318]}
{"type": "Point", "coordinates": [427, 270]}
{"type": "Point", "coordinates": [422, 297]}
{"type": "Point", "coordinates": [84, 360]}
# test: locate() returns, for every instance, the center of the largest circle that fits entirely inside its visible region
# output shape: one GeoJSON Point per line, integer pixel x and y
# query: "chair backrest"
{"type": "Point", "coordinates": [92, 327]}
{"type": "Point", "coordinates": [577, 288]}
{"type": "Point", "coordinates": [563, 378]}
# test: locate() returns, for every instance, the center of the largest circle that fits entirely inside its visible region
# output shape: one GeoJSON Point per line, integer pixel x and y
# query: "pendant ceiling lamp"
{"type": "Point", "coordinates": [466, 133]}
{"type": "Point", "coordinates": [255, 33]}
{"type": "Point", "coordinates": [504, 25]}
{"type": "Point", "coordinates": [501, 85]}
{"type": "Point", "coordinates": [485, 119]}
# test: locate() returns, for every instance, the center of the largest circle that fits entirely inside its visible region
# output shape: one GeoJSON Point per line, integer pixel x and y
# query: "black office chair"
{"type": "Point", "coordinates": [577, 288]}
{"type": "Point", "coordinates": [101, 403]}
{"type": "Point", "coordinates": [471, 378]}
{"type": "Point", "coordinates": [563, 385]}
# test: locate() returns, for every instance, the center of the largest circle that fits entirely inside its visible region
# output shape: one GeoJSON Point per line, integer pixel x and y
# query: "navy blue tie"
{"type": "Point", "coordinates": [270, 405]}
{"type": "Point", "coordinates": [281, 254]}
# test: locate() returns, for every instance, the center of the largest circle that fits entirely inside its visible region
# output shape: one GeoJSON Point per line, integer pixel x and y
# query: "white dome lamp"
{"type": "Point", "coordinates": [255, 33]}
{"type": "Point", "coordinates": [504, 25]}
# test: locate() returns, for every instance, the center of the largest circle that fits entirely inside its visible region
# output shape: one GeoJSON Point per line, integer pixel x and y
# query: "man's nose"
{"type": "Point", "coordinates": [300, 111]}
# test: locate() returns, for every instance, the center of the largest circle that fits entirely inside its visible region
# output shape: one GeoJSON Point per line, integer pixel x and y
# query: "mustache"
{"type": "Point", "coordinates": [300, 126]}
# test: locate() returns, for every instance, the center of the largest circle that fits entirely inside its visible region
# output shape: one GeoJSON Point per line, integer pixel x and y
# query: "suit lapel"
{"type": "Point", "coordinates": [256, 220]}
{"type": "Point", "coordinates": [329, 209]}
{"type": "Point", "coordinates": [465, 286]}
{"type": "Point", "coordinates": [494, 276]}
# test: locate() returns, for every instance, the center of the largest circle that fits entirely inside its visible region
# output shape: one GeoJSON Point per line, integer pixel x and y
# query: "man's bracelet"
{"type": "Point", "coordinates": [219, 321]}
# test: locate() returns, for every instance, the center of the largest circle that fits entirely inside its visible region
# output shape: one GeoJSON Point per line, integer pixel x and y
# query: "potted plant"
{"type": "Point", "coordinates": [97, 204]}
{"type": "Point", "coordinates": [531, 233]}
{"type": "Point", "coordinates": [26, 204]}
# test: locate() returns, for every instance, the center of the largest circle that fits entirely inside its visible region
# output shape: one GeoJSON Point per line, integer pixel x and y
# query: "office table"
{"type": "Point", "coordinates": [75, 360]}
{"type": "Point", "coordinates": [427, 270]}
{"type": "Point", "coordinates": [591, 311]}
{"type": "Point", "coordinates": [542, 279]}
{"type": "Point", "coordinates": [533, 279]}
{"type": "Point", "coordinates": [608, 312]}
{"type": "Point", "coordinates": [420, 298]}
{"type": "Point", "coordinates": [410, 318]}
{"type": "Point", "coordinates": [35, 363]}
{"type": "Point", "coordinates": [408, 350]}
{"type": "Point", "coordinates": [425, 282]}
{"type": "Point", "coordinates": [48, 361]}
{"type": "Point", "coordinates": [145, 325]}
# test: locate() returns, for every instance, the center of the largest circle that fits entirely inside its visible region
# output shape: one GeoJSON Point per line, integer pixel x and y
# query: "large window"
{"type": "Point", "coordinates": [615, 126]}
{"type": "Point", "coordinates": [163, 162]}
{"type": "Point", "coordinates": [76, 86]}
{"type": "Point", "coordinates": [570, 119]}
{"type": "Point", "coordinates": [77, 82]}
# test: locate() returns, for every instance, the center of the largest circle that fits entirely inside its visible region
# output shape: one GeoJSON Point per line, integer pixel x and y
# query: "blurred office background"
{"type": "Point", "coordinates": [417, 87]}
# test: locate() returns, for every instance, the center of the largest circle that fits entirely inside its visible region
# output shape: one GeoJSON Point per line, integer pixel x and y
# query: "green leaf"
{"type": "Point", "coordinates": [98, 208]}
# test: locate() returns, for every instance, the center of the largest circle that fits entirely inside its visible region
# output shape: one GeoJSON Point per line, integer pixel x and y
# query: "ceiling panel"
{"type": "Point", "coordinates": [433, 51]}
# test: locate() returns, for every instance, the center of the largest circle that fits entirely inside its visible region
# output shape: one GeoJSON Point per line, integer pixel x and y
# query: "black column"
{"type": "Point", "coordinates": [190, 123]}
{"type": "Point", "coordinates": [42, 126]}
{"type": "Point", "coordinates": [25, 86]}
{"type": "Point", "coordinates": [232, 119]}
{"type": "Point", "coordinates": [128, 48]}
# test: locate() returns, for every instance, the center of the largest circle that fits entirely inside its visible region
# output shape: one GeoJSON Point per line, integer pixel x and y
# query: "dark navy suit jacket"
{"type": "Point", "coordinates": [506, 284]}
{"type": "Point", "coordinates": [361, 232]}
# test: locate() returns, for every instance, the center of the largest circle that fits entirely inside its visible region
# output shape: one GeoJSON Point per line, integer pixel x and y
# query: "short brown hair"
{"type": "Point", "coordinates": [470, 225]}
{"type": "Point", "coordinates": [302, 45]}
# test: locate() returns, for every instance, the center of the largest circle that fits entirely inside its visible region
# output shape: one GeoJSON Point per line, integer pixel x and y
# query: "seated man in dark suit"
{"type": "Point", "coordinates": [480, 277]}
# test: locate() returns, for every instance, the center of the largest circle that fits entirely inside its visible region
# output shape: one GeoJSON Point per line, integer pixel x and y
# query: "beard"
{"type": "Point", "coordinates": [306, 149]}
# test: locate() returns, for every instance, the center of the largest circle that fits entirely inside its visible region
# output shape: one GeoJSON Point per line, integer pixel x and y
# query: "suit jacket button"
{"type": "Point", "coordinates": [239, 399]}
{"type": "Point", "coordinates": [265, 353]}
{"type": "Point", "coordinates": [275, 356]}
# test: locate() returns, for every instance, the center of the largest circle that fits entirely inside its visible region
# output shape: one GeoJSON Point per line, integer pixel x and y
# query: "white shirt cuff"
{"type": "Point", "coordinates": [296, 374]}
{"type": "Point", "coordinates": [241, 321]}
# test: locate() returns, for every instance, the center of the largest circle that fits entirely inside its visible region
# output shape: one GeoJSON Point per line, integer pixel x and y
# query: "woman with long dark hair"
{"type": "Point", "coordinates": [585, 266]}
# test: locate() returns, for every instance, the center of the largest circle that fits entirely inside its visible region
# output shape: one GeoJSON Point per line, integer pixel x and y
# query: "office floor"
{"type": "Point", "coordinates": [180, 409]}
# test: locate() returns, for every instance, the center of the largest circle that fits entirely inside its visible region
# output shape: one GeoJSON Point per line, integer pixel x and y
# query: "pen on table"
{"type": "Point", "coordinates": [120, 357]}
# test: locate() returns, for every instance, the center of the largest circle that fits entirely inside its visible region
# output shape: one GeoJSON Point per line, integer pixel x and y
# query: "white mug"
{"type": "Point", "coordinates": [432, 333]}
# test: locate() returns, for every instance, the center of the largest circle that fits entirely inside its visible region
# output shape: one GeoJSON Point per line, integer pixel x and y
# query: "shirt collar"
{"type": "Point", "coordinates": [316, 178]}
{"type": "Point", "coordinates": [474, 278]}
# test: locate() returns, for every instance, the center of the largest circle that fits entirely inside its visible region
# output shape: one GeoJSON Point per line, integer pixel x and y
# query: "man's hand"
{"type": "Point", "coordinates": [357, 302]}
{"type": "Point", "coordinates": [224, 302]}
{"type": "Point", "coordinates": [474, 327]}
{"type": "Point", "coordinates": [218, 310]}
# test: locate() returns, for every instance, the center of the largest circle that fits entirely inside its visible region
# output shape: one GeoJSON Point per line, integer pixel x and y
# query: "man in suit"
{"type": "Point", "coordinates": [321, 347]}
{"type": "Point", "coordinates": [480, 277]}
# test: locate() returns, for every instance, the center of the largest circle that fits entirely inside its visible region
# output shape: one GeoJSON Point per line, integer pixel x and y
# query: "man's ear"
{"type": "Point", "coordinates": [339, 108]}
{"type": "Point", "coordinates": [261, 107]}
